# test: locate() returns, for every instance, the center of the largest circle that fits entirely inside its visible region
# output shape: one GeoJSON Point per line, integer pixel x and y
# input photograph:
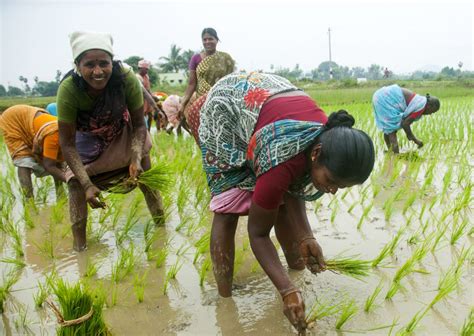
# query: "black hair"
{"type": "Point", "coordinates": [210, 31]}
{"type": "Point", "coordinates": [433, 102]}
{"type": "Point", "coordinates": [346, 152]}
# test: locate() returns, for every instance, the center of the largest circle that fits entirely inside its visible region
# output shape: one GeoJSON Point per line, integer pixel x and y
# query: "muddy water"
{"type": "Point", "coordinates": [255, 308]}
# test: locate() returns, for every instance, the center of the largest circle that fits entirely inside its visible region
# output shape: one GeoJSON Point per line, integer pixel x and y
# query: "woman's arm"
{"type": "Point", "coordinates": [260, 223]}
{"type": "Point", "coordinates": [138, 141]}
{"type": "Point", "coordinates": [192, 83]}
{"type": "Point", "coordinates": [67, 141]}
{"type": "Point", "coordinates": [310, 250]}
{"type": "Point", "coordinates": [406, 127]}
{"type": "Point", "coordinates": [52, 168]}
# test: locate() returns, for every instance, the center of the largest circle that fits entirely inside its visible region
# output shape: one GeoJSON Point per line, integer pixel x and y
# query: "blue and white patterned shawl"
{"type": "Point", "coordinates": [390, 107]}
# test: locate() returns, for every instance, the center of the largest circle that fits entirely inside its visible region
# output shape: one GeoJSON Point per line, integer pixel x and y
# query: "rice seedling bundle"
{"type": "Point", "coordinates": [349, 266]}
{"type": "Point", "coordinates": [80, 311]}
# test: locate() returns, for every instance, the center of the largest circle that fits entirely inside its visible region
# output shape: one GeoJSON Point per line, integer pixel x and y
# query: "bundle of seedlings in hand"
{"type": "Point", "coordinates": [80, 311]}
{"type": "Point", "coordinates": [350, 266]}
{"type": "Point", "coordinates": [156, 178]}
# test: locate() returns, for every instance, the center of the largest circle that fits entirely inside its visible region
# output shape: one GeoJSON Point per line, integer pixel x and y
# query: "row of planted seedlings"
{"type": "Point", "coordinates": [427, 207]}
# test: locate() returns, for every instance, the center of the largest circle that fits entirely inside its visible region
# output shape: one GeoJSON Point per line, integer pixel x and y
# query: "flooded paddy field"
{"type": "Point", "coordinates": [411, 221]}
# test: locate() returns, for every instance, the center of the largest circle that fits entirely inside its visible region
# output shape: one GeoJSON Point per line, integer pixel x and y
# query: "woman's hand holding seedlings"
{"type": "Point", "coordinates": [312, 255]}
{"type": "Point", "coordinates": [294, 310]}
{"type": "Point", "coordinates": [93, 197]}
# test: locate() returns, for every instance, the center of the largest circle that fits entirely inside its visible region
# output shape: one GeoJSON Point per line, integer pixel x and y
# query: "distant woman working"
{"type": "Point", "coordinates": [396, 108]}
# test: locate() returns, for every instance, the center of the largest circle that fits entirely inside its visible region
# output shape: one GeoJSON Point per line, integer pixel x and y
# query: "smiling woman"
{"type": "Point", "coordinates": [205, 69]}
{"type": "Point", "coordinates": [101, 129]}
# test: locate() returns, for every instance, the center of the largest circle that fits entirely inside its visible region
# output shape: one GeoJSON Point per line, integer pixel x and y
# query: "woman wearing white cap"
{"type": "Point", "coordinates": [102, 132]}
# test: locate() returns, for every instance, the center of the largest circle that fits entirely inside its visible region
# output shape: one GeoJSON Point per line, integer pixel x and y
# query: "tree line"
{"type": "Point", "coordinates": [178, 60]}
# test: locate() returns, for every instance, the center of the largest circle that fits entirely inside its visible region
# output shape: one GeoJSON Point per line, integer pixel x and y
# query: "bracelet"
{"type": "Point", "coordinates": [284, 293]}
{"type": "Point", "coordinates": [306, 238]}
{"type": "Point", "coordinates": [87, 186]}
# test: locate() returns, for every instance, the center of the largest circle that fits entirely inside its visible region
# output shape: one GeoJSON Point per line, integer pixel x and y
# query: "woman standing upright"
{"type": "Point", "coordinates": [101, 129]}
{"type": "Point", "coordinates": [205, 69]}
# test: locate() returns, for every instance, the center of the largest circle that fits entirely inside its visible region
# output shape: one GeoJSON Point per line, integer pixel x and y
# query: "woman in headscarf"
{"type": "Point", "coordinates": [31, 136]}
{"type": "Point", "coordinates": [205, 69]}
{"type": "Point", "coordinates": [266, 149]}
{"type": "Point", "coordinates": [397, 108]}
{"type": "Point", "coordinates": [101, 128]}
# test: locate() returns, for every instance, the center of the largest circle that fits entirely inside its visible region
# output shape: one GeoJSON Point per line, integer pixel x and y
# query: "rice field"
{"type": "Point", "coordinates": [400, 247]}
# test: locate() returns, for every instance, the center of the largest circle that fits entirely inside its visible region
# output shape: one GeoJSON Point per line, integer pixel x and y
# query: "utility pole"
{"type": "Point", "coordinates": [330, 56]}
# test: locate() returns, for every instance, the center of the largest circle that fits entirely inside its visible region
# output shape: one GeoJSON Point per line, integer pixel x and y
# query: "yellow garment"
{"type": "Point", "coordinates": [46, 140]}
{"type": "Point", "coordinates": [17, 125]}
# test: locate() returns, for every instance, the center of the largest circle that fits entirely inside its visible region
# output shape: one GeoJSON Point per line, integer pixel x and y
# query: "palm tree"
{"type": "Point", "coordinates": [174, 61]}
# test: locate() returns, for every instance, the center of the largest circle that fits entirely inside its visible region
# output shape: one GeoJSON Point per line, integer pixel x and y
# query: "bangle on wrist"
{"type": "Point", "coordinates": [87, 185]}
{"type": "Point", "coordinates": [306, 238]}
{"type": "Point", "coordinates": [285, 292]}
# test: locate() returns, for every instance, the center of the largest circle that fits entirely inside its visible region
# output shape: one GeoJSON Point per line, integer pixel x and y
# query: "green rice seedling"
{"type": "Point", "coordinates": [14, 261]}
{"type": "Point", "coordinates": [394, 288]}
{"type": "Point", "coordinates": [183, 197]}
{"type": "Point", "coordinates": [369, 302]}
{"type": "Point", "coordinates": [205, 266]}
{"type": "Point", "coordinates": [441, 228]}
{"type": "Point", "coordinates": [409, 202]}
{"type": "Point", "coordinates": [174, 269]}
{"type": "Point", "coordinates": [376, 188]}
{"type": "Point", "coordinates": [185, 219]}
{"type": "Point", "coordinates": [129, 223]}
{"type": "Point", "coordinates": [348, 310]}
{"type": "Point", "coordinates": [202, 245]}
{"type": "Point", "coordinates": [40, 295]}
{"type": "Point", "coordinates": [447, 180]}
{"type": "Point", "coordinates": [255, 266]}
{"type": "Point", "coordinates": [9, 280]}
{"type": "Point", "coordinates": [28, 218]}
{"type": "Point", "coordinates": [148, 235]}
{"type": "Point", "coordinates": [22, 323]}
{"type": "Point", "coordinates": [350, 266]}
{"type": "Point", "coordinates": [335, 207]}
{"type": "Point", "coordinates": [139, 286]}
{"type": "Point", "coordinates": [161, 256]}
{"type": "Point", "coordinates": [365, 212]}
{"type": "Point", "coordinates": [408, 329]}
{"type": "Point", "coordinates": [422, 211]}
{"type": "Point", "coordinates": [14, 232]}
{"type": "Point", "coordinates": [458, 231]}
{"type": "Point", "coordinates": [468, 326]}
{"type": "Point", "coordinates": [353, 205]}
{"type": "Point", "coordinates": [321, 309]}
{"type": "Point", "coordinates": [183, 249]}
{"type": "Point", "coordinates": [57, 211]}
{"type": "Point", "coordinates": [345, 193]}
{"type": "Point", "coordinates": [77, 302]}
{"type": "Point", "coordinates": [124, 264]}
{"type": "Point", "coordinates": [91, 269]}
{"type": "Point", "coordinates": [388, 249]}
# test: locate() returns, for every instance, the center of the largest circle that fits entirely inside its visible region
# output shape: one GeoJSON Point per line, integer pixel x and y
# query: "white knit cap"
{"type": "Point", "coordinates": [82, 41]}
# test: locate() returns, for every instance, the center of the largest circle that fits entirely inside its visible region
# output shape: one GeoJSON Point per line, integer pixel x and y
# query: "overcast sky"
{"type": "Point", "coordinates": [402, 35]}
